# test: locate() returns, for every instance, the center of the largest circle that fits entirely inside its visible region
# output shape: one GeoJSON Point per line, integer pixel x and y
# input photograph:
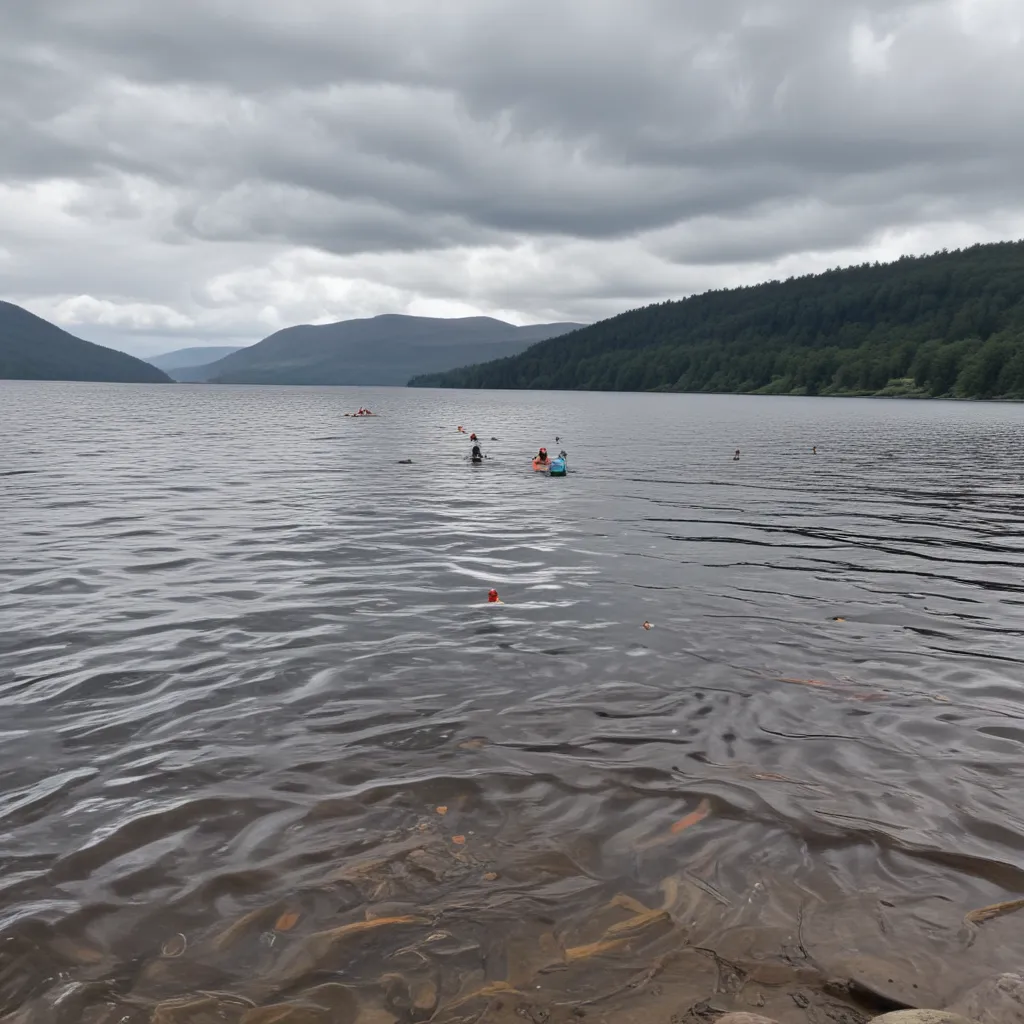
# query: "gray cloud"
{"type": "Point", "coordinates": [219, 168]}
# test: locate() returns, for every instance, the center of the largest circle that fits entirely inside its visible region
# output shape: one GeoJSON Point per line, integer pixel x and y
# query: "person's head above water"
{"type": "Point", "coordinates": [542, 454]}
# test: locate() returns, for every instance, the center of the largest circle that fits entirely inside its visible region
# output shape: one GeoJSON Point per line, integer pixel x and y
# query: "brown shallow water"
{"type": "Point", "coordinates": [266, 754]}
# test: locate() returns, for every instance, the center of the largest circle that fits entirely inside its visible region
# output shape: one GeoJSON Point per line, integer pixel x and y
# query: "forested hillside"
{"type": "Point", "coordinates": [950, 324]}
{"type": "Point", "coordinates": [34, 349]}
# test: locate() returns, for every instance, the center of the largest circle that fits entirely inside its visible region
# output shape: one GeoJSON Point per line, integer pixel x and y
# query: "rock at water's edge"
{"type": "Point", "coordinates": [998, 1000]}
{"type": "Point", "coordinates": [922, 1017]}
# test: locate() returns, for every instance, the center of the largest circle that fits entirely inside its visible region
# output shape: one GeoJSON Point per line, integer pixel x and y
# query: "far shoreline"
{"type": "Point", "coordinates": [739, 394]}
{"type": "Point", "coordinates": [564, 391]}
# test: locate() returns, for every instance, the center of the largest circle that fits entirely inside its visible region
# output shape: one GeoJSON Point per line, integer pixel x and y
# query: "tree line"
{"type": "Point", "coordinates": [946, 325]}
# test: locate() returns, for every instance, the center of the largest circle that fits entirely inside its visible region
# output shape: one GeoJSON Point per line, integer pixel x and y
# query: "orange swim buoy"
{"type": "Point", "coordinates": [492, 597]}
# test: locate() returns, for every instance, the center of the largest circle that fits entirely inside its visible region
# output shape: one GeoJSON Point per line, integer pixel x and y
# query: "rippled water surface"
{"type": "Point", "coordinates": [263, 743]}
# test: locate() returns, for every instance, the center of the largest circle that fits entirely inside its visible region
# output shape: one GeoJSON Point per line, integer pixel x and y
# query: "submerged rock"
{"type": "Point", "coordinates": [921, 1017]}
{"type": "Point", "coordinates": [287, 1013]}
{"type": "Point", "coordinates": [998, 1000]}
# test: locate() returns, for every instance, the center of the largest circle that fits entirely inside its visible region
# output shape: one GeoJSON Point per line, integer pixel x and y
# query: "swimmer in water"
{"type": "Point", "coordinates": [736, 457]}
{"type": "Point", "coordinates": [542, 457]}
{"type": "Point", "coordinates": [814, 450]}
{"type": "Point", "coordinates": [476, 455]}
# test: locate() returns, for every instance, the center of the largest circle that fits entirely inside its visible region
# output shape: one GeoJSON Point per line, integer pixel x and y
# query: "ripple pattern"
{"type": "Point", "coordinates": [248, 673]}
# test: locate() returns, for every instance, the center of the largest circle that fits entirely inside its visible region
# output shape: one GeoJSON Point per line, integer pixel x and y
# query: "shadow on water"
{"type": "Point", "coordinates": [268, 756]}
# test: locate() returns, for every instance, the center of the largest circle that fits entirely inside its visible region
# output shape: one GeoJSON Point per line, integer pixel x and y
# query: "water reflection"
{"type": "Point", "coordinates": [268, 755]}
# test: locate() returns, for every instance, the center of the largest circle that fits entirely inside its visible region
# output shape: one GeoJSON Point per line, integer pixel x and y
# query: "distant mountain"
{"type": "Point", "coordinates": [193, 374]}
{"type": "Point", "coordinates": [184, 358]}
{"type": "Point", "coordinates": [946, 325]}
{"type": "Point", "coordinates": [34, 349]}
{"type": "Point", "coordinates": [386, 349]}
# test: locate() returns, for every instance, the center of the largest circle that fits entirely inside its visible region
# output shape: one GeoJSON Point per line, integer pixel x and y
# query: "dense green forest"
{"type": "Point", "coordinates": [950, 324]}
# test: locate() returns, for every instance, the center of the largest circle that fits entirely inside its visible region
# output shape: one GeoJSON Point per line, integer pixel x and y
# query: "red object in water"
{"type": "Point", "coordinates": [492, 596]}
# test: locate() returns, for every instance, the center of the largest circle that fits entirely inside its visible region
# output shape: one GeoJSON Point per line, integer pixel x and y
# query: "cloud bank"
{"type": "Point", "coordinates": [213, 170]}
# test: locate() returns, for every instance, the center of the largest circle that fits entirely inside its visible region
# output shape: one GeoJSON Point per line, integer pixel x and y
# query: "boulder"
{"type": "Point", "coordinates": [922, 1017]}
{"type": "Point", "coordinates": [997, 1000]}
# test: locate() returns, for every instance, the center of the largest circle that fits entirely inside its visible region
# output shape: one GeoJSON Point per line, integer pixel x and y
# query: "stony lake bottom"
{"type": "Point", "coordinates": [267, 754]}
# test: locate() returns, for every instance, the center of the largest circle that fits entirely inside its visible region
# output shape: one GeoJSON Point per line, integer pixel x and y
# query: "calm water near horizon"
{"type": "Point", "coordinates": [263, 741]}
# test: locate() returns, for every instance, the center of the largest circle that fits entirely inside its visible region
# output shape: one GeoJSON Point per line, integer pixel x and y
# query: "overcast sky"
{"type": "Point", "coordinates": [207, 171]}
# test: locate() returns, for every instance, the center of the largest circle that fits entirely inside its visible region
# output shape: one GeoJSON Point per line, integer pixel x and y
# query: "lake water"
{"type": "Point", "coordinates": [263, 741]}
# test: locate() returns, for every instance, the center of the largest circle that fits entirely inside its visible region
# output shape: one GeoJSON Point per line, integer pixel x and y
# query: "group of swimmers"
{"type": "Point", "coordinates": [541, 461]}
